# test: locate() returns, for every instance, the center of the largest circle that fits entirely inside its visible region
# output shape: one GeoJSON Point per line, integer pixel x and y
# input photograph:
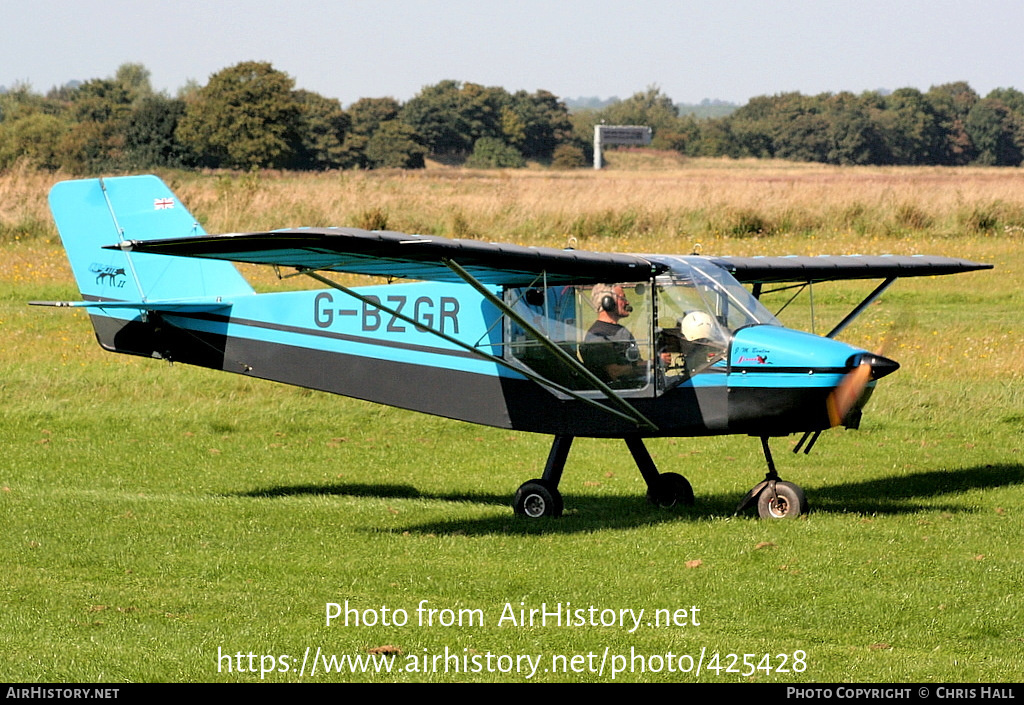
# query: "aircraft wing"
{"type": "Point", "coordinates": [401, 256]}
{"type": "Point", "coordinates": [398, 255]}
{"type": "Point", "coordinates": [755, 270]}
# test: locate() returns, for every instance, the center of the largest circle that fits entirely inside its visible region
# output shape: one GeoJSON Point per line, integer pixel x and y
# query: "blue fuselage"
{"type": "Point", "coordinates": [771, 380]}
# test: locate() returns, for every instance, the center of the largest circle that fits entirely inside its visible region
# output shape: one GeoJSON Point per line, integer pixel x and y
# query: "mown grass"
{"type": "Point", "coordinates": [154, 514]}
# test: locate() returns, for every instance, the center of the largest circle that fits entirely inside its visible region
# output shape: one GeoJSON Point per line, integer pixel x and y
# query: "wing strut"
{"type": "Point", "coordinates": [559, 354]}
{"type": "Point", "coordinates": [635, 416]}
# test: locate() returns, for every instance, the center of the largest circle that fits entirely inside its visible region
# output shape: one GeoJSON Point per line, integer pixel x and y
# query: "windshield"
{"type": "Point", "coordinates": [697, 283]}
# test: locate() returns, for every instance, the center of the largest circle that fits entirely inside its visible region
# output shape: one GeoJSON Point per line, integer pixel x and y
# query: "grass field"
{"type": "Point", "coordinates": [156, 518]}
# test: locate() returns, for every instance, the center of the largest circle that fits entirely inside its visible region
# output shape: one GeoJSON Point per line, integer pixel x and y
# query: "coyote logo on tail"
{"type": "Point", "coordinates": [107, 275]}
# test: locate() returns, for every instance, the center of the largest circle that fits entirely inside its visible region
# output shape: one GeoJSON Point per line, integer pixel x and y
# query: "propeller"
{"type": "Point", "coordinates": [865, 368]}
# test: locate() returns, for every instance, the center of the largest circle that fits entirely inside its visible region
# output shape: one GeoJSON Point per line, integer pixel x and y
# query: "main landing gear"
{"type": "Point", "coordinates": [774, 498]}
{"type": "Point", "coordinates": [541, 498]}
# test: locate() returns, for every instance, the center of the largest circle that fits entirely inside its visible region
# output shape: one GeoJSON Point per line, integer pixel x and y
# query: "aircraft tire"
{"type": "Point", "coordinates": [787, 502]}
{"type": "Point", "coordinates": [671, 489]}
{"type": "Point", "coordinates": [537, 498]}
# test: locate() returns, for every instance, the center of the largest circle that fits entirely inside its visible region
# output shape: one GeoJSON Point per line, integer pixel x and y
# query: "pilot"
{"type": "Point", "coordinates": [609, 350]}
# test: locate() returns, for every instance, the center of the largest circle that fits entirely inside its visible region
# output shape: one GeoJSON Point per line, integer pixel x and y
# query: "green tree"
{"type": "Point", "coordinates": [436, 114]}
{"type": "Point", "coordinates": [996, 132]}
{"type": "Point", "coordinates": [34, 138]}
{"type": "Point", "coordinates": [720, 138]}
{"type": "Point", "coordinates": [568, 156]}
{"type": "Point", "coordinates": [366, 116]}
{"type": "Point", "coordinates": [395, 145]}
{"type": "Point", "coordinates": [149, 134]}
{"type": "Point", "coordinates": [650, 107]}
{"type": "Point", "coordinates": [753, 126]}
{"type": "Point", "coordinates": [492, 153]}
{"type": "Point", "coordinates": [785, 126]}
{"type": "Point", "coordinates": [20, 101]}
{"type": "Point", "coordinates": [100, 100]}
{"type": "Point", "coordinates": [451, 116]}
{"type": "Point", "coordinates": [91, 147]}
{"type": "Point", "coordinates": [99, 111]}
{"type": "Point", "coordinates": [482, 107]}
{"type": "Point", "coordinates": [134, 80]}
{"type": "Point", "coordinates": [322, 128]}
{"type": "Point", "coordinates": [913, 129]}
{"type": "Point", "coordinates": [247, 116]}
{"type": "Point", "coordinates": [368, 113]}
{"type": "Point", "coordinates": [952, 102]}
{"type": "Point", "coordinates": [1010, 97]}
{"type": "Point", "coordinates": [854, 135]}
{"type": "Point", "coordinates": [536, 123]}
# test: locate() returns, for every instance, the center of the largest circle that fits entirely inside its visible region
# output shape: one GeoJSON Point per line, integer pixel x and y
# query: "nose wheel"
{"type": "Point", "coordinates": [775, 498]}
{"type": "Point", "coordinates": [781, 500]}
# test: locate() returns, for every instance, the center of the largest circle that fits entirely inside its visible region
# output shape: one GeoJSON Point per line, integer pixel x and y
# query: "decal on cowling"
{"type": "Point", "coordinates": [752, 355]}
{"type": "Point", "coordinates": [756, 359]}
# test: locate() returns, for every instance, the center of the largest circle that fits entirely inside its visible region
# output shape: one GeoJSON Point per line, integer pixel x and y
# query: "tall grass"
{"type": "Point", "coordinates": [703, 200]}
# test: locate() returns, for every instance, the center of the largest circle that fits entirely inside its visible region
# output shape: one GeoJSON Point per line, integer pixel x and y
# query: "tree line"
{"type": "Point", "coordinates": [252, 116]}
{"type": "Point", "coordinates": [949, 125]}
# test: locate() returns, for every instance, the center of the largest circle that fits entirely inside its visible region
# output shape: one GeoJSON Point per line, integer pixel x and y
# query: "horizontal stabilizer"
{"type": "Point", "coordinates": [191, 305]}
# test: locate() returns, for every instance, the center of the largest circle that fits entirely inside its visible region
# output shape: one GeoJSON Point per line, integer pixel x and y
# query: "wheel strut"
{"type": "Point", "coordinates": [663, 489]}
{"type": "Point", "coordinates": [541, 498]}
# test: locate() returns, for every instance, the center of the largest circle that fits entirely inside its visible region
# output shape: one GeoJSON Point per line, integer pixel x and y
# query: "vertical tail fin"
{"type": "Point", "coordinates": [92, 213]}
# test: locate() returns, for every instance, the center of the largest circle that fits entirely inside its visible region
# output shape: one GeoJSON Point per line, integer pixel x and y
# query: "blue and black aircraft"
{"type": "Point", "coordinates": [563, 342]}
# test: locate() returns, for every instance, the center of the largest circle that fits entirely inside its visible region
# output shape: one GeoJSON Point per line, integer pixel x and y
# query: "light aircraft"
{"type": "Point", "coordinates": [487, 333]}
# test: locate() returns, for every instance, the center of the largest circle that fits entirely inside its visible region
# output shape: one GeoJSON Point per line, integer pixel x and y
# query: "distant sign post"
{"type": "Point", "coordinates": [618, 134]}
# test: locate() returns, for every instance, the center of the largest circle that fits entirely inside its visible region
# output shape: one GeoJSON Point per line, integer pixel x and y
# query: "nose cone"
{"type": "Point", "coordinates": [880, 366]}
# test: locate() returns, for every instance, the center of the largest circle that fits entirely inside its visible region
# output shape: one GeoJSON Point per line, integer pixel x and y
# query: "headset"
{"type": "Point", "coordinates": [610, 303]}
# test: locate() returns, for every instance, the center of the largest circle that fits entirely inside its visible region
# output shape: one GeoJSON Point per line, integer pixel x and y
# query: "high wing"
{"type": "Point", "coordinates": [823, 268]}
{"type": "Point", "coordinates": [398, 255]}
{"type": "Point", "coordinates": [401, 256]}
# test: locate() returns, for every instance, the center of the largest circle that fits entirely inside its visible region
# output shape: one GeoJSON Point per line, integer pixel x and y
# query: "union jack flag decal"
{"type": "Point", "coordinates": [160, 204]}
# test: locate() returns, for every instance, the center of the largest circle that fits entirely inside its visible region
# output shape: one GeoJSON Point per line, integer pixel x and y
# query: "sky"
{"type": "Point", "coordinates": [691, 50]}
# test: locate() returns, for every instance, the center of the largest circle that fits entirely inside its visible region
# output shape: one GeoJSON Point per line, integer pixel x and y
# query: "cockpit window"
{"type": "Point", "coordinates": [725, 298]}
{"type": "Point", "coordinates": [638, 338]}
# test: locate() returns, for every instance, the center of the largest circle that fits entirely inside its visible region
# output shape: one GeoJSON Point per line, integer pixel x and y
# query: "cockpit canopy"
{"type": "Point", "coordinates": [660, 334]}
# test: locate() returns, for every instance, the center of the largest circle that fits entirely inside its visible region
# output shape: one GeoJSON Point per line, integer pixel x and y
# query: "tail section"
{"type": "Point", "coordinates": [130, 296]}
{"type": "Point", "coordinates": [93, 213]}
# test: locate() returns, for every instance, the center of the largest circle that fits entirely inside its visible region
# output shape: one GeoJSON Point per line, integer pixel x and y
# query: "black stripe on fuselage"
{"type": "Point", "coordinates": [492, 400]}
{"type": "Point", "coordinates": [789, 370]}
